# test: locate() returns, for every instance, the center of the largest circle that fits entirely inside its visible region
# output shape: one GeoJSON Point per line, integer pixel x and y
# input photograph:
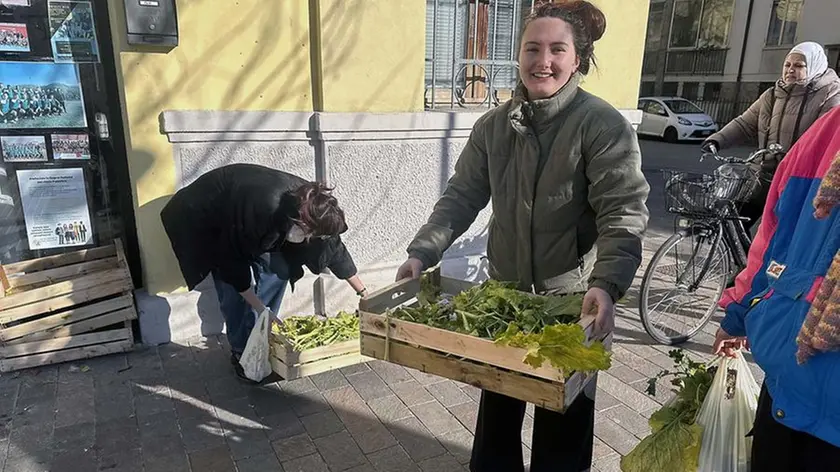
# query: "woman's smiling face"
{"type": "Point", "coordinates": [547, 57]}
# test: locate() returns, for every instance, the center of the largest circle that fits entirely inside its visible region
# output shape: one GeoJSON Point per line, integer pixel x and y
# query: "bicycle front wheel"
{"type": "Point", "coordinates": [677, 297]}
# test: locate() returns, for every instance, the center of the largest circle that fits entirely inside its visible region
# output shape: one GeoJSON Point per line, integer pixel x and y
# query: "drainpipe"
{"type": "Point", "coordinates": [740, 77]}
{"type": "Point", "coordinates": [665, 40]}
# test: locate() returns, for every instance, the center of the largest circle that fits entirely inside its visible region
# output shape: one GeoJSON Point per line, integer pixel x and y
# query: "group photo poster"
{"type": "Point", "coordinates": [32, 19]}
{"type": "Point", "coordinates": [23, 148]}
{"type": "Point", "coordinates": [40, 95]}
{"type": "Point", "coordinates": [72, 31]}
{"type": "Point", "coordinates": [55, 207]}
{"type": "Point", "coordinates": [14, 37]}
{"type": "Point", "coordinates": [70, 146]}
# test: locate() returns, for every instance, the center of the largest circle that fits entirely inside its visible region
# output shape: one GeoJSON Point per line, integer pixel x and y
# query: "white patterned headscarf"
{"type": "Point", "coordinates": [815, 59]}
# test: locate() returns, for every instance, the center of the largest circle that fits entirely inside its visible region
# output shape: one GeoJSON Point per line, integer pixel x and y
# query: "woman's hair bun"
{"type": "Point", "coordinates": [581, 13]}
{"type": "Point", "coordinates": [592, 17]}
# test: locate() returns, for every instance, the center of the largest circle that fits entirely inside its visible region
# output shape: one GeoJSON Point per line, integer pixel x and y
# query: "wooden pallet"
{"type": "Point", "coordinates": [468, 359]}
{"type": "Point", "coordinates": [66, 307]}
{"type": "Point", "coordinates": [289, 363]}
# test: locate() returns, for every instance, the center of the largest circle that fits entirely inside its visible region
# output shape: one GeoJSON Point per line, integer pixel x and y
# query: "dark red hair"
{"type": "Point", "coordinates": [587, 21]}
{"type": "Point", "coordinates": [318, 210]}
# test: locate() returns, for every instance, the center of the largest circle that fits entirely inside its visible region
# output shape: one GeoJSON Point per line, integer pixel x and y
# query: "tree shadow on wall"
{"type": "Point", "coordinates": [248, 84]}
{"type": "Point", "coordinates": [467, 259]}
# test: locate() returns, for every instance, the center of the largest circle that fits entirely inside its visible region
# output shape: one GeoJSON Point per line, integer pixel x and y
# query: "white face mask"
{"type": "Point", "coordinates": [296, 234]}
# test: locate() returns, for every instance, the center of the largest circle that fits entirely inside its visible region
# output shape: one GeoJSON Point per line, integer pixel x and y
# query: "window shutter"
{"type": "Point", "coordinates": [504, 39]}
{"type": "Point", "coordinates": [449, 37]}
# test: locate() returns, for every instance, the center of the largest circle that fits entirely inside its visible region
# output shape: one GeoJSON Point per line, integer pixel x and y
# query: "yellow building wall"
{"type": "Point", "coordinates": [619, 53]}
{"type": "Point", "coordinates": [367, 56]}
{"type": "Point", "coordinates": [242, 55]}
{"type": "Point", "coordinates": [372, 55]}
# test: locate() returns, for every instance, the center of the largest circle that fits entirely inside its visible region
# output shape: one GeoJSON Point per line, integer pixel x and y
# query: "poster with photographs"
{"type": "Point", "coordinates": [23, 148]}
{"type": "Point", "coordinates": [13, 37]}
{"type": "Point", "coordinates": [70, 146]}
{"type": "Point", "coordinates": [40, 95]}
{"type": "Point", "coordinates": [55, 207]}
{"type": "Point", "coordinates": [25, 18]}
{"type": "Point", "coordinates": [72, 32]}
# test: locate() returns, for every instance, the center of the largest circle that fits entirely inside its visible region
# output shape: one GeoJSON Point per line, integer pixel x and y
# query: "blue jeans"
{"type": "Point", "coordinates": [269, 282]}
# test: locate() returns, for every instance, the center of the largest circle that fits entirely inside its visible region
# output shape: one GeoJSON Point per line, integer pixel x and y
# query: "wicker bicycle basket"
{"type": "Point", "coordinates": [702, 194]}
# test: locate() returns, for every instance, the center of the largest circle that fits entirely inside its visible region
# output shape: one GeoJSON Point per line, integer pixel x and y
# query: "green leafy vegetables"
{"type": "Point", "coordinates": [674, 442]}
{"type": "Point", "coordinates": [307, 332]}
{"type": "Point", "coordinates": [545, 326]}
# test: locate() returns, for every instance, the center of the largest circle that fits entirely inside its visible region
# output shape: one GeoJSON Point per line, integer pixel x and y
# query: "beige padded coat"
{"type": "Point", "coordinates": [782, 114]}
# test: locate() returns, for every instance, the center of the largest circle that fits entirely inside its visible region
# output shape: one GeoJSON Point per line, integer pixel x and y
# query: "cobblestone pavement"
{"type": "Point", "coordinates": [179, 408]}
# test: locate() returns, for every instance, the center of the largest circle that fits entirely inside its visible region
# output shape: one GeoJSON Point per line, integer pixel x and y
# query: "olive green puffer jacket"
{"type": "Point", "coordinates": [564, 176]}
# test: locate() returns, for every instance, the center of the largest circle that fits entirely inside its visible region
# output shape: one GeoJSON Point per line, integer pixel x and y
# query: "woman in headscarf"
{"type": "Point", "coordinates": [807, 90]}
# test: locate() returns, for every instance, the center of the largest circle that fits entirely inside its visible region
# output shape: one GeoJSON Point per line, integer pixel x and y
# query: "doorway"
{"type": "Point", "coordinates": [64, 181]}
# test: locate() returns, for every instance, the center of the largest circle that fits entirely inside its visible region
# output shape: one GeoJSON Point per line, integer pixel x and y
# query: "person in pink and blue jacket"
{"type": "Point", "coordinates": [787, 284]}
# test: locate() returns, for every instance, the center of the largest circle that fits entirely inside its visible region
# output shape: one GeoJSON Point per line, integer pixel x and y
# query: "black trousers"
{"type": "Point", "coordinates": [560, 442]}
{"type": "Point", "coordinates": [777, 448]}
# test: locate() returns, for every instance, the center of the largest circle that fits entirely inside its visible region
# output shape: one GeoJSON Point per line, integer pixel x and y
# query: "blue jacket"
{"type": "Point", "coordinates": [787, 263]}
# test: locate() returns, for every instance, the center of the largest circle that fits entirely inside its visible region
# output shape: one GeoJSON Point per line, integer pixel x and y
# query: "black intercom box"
{"type": "Point", "coordinates": [151, 22]}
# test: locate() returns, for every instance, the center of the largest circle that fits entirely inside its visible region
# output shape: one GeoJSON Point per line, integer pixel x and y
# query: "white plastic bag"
{"type": "Point", "coordinates": [254, 360]}
{"type": "Point", "coordinates": [727, 415]}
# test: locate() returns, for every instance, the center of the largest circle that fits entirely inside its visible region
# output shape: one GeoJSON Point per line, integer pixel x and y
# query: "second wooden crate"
{"type": "Point", "coordinates": [290, 363]}
{"type": "Point", "coordinates": [66, 307]}
{"type": "Point", "coordinates": [468, 359]}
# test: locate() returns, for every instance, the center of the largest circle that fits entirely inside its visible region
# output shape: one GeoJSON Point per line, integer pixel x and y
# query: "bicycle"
{"type": "Point", "coordinates": [707, 217]}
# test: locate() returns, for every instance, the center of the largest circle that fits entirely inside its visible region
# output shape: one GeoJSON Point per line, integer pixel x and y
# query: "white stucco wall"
{"type": "Point", "coordinates": [388, 171]}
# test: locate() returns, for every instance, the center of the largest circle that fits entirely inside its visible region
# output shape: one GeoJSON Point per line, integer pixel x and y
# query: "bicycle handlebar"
{"type": "Point", "coordinates": [772, 149]}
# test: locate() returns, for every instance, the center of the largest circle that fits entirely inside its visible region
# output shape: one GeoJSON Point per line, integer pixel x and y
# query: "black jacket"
{"type": "Point", "coordinates": [231, 215]}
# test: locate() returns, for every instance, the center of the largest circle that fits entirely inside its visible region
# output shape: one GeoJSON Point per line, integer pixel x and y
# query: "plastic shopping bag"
{"type": "Point", "coordinates": [727, 415]}
{"type": "Point", "coordinates": [254, 360]}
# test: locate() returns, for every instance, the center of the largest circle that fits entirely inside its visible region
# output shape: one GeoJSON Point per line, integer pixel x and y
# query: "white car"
{"type": "Point", "coordinates": [674, 119]}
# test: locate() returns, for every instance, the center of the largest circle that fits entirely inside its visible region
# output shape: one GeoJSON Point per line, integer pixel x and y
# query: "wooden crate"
{"type": "Point", "coordinates": [289, 363]}
{"type": "Point", "coordinates": [66, 307]}
{"type": "Point", "coordinates": [468, 359]}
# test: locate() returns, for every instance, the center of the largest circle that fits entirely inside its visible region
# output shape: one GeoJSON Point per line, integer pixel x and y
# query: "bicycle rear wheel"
{"type": "Point", "coordinates": [676, 298]}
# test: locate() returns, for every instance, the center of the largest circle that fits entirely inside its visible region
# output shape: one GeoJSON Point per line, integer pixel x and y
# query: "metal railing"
{"type": "Point", "coordinates": [723, 111]}
{"type": "Point", "coordinates": [696, 62]}
{"type": "Point", "coordinates": [471, 51]}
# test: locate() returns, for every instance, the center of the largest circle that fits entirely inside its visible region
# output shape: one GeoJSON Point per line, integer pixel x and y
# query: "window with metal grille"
{"type": "Point", "coordinates": [783, 22]}
{"type": "Point", "coordinates": [701, 23]}
{"type": "Point", "coordinates": [656, 21]}
{"type": "Point", "coordinates": [471, 51]}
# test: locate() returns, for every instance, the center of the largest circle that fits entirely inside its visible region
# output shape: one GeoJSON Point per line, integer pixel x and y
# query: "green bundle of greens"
{"type": "Point", "coordinates": [545, 326]}
{"type": "Point", "coordinates": [674, 442]}
{"type": "Point", "coordinates": [310, 331]}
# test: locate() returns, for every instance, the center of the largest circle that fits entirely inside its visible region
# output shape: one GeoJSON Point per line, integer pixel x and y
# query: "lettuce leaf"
{"type": "Point", "coordinates": [674, 447]}
{"type": "Point", "coordinates": [563, 345]}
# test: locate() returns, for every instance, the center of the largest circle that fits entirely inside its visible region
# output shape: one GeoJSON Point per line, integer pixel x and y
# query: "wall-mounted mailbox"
{"type": "Point", "coordinates": [151, 22]}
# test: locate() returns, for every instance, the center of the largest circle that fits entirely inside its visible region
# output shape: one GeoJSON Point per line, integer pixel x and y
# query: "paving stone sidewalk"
{"type": "Point", "coordinates": [179, 408]}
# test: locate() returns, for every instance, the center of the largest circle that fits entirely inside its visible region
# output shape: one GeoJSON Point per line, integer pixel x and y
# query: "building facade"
{"type": "Point", "coordinates": [724, 53]}
{"type": "Point", "coordinates": [359, 94]}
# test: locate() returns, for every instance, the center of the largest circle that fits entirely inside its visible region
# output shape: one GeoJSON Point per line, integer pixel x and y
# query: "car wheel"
{"type": "Point", "coordinates": [671, 135]}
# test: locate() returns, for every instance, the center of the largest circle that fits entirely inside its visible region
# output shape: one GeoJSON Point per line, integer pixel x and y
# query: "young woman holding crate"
{"type": "Point", "coordinates": [563, 170]}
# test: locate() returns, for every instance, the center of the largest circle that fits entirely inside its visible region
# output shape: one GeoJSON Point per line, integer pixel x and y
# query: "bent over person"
{"type": "Point", "coordinates": [254, 228]}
